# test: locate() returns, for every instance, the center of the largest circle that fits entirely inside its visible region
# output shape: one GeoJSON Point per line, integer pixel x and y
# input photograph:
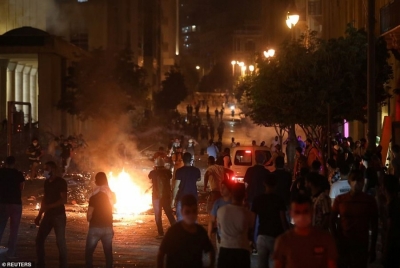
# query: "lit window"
{"type": "Point", "coordinates": [193, 28]}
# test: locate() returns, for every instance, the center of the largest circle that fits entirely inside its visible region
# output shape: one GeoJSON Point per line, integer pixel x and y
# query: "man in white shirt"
{"type": "Point", "coordinates": [274, 143]}
{"type": "Point", "coordinates": [342, 186]}
{"type": "Point", "coordinates": [234, 222]}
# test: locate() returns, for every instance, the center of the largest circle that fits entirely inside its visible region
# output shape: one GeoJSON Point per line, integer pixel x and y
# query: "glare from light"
{"type": "Point", "coordinates": [251, 68]}
{"type": "Point", "coordinates": [232, 107]}
{"type": "Point", "coordinates": [197, 67]}
{"type": "Point", "coordinates": [271, 52]}
{"type": "Point", "coordinates": [289, 23]}
{"type": "Point", "coordinates": [233, 62]}
{"type": "Point", "coordinates": [294, 19]}
{"type": "Point", "coordinates": [244, 68]}
{"type": "Point", "coordinates": [241, 64]}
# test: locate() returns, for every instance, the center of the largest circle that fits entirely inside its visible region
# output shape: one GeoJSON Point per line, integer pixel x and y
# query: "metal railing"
{"type": "Point", "coordinates": [390, 16]}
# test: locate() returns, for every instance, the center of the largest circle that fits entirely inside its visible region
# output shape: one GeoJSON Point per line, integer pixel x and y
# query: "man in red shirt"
{"type": "Point", "coordinates": [358, 213]}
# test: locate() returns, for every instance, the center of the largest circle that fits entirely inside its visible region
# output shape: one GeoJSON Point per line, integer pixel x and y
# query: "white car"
{"type": "Point", "coordinates": [243, 157]}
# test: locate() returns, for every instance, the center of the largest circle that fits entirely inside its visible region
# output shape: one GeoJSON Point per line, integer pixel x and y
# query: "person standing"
{"type": "Point", "coordinates": [52, 206]}
{"type": "Point", "coordinates": [321, 201]}
{"type": "Point", "coordinates": [186, 183]}
{"type": "Point", "coordinates": [342, 186]}
{"type": "Point", "coordinates": [271, 210]}
{"type": "Point", "coordinates": [161, 196]}
{"type": "Point", "coordinates": [311, 153]}
{"type": "Point", "coordinates": [304, 245]}
{"type": "Point", "coordinates": [100, 218]}
{"type": "Point", "coordinates": [212, 150]}
{"type": "Point", "coordinates": [275, 142]}
{"type": "Point", "coordinates": [224, 200]}
{"type": "Point", "coordinates": [214, 175]}
{"type": "Point", "coordinates": [283, 180]}
{"type": "Point", "coordinates": [234, 224]}
{"type": "Point", "coordinates": [66, 150]}
{"type": "Point", "coordinates": [190, 149]}
{"type": "Point", "coordinates": [391, 248]}
{"type": "Point", "coordinates": [34, 153]}
{"type": "Point", "coordinates": [11, 186]}
{"type": "Point", "coordinates": [299, 162]}
{"type": "Point", "coordinates": [186, 241]}
{"type": "Point", "coordinates": [358, 213]}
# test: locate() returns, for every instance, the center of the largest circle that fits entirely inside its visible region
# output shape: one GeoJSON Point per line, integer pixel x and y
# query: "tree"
{"type": "Point", "coordinates": [307, 75]}
{"type": "Point", "coordinates": [103, 86]}
{"type": "Point", "coordinates": [217, 80]}
{"type": "Point", "coordinates": [173, 91]}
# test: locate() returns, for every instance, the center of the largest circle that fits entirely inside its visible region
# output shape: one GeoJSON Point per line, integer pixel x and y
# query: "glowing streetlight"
{"type": "Point", "coordinates": [241, 64]}
{"type": "Point", "coordinates": [244, 68]}
{"type": "Point", "coordinates": [292, 17]}
{"type": "Point", "coordinates": [269, 53]}
{"type": "Point", "coordinates": [233, 67]}
{"type": "Point", "coordinates": [197, 67]}
{"type": "Point", "coordinates": [233, 62]}
{"type": "Point", "coordinates": [251, 68]}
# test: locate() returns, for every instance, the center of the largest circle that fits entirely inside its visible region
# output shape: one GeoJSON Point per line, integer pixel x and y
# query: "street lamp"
{"type": "Point", "coordinates": [269, 53]}
{"type": "Point", "coordinates": [233, 67]}
{"type": "Point", "coordinates": [251, 68]}
{"type": "Point", "coordinates": [241, 63]}
{"type": "Point", "coordinates": [197, 67]}
{"type": "Point", "coordinates": [292, 17]}
{"type": "Point", "coordinates": [244, 68]}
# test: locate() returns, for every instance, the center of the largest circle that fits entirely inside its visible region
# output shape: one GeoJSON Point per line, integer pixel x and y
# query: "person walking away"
{"type": "Point", "coordinates": [11, 186]}
{"type": "Point", "coordinates": [190, 149]}
{"type": "Point", "coordinates": [311, 153]}
{"type": "Point", "coordinates": [212, 150]}
{"type": "Point", "coordinates": [66, 150]}
{"type": "Point", "coordinates": [52, 206]}
{"type": "Point", "coordinates": [275, 142]}
{"type": "Point", "coordinates": [224, 200]}
{"type": "Point", "coordinates": [34, 153]}
{"type": "Point", "coordinates": [299, 162]}
{"type": "Point", "coordinates": [100, 218]}
{"type": "Point", "coordinates": [234, 223]}
{"type": "Point", "coordinates": [186, 241]}
{"type": "Point", "coordinates": [321, 202]}
{"type": "Point", "coordinates": [342, 186]}
{"type": "Point", "coordinates": [214, 175]}
{"type": "Point", "coordinates": [254, 180]}
{"type": "Point", "coordinates": [304, 245]}
{"type": "Point", "coordinates": [220, 129]}
{"type": "Point", "coordinates": [177, 160]}
{"type": "Point", "coordinates": [278, 152]}
{"type": "Point", "coordinates": [271, 210]}
{"type": "Point", "coordinates": [233, 143]}
{"type": "Point", "coordinates": [225, 158]}
{"type": "Point", "coordinates": [391, 248]}
{"type": "Point", "coordinates": [283, 180]}
{"type": "Point", "coordinates": [358, 213]}
{"type": "Point", "coordinates": [186, 183]}
{"type": "Point", "coordinates": [161, 196]}
{"type": "Point", "coordinates": [370, 174]}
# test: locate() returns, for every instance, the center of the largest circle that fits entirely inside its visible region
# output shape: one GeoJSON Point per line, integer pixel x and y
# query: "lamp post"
{"type": "Point", "coordinates": [371, 98]}
{"type": "Point", "coordinates": [233, 67]}
{"type": "Point", "coordinates": [251, 69]}
{"type": "Point", "coordinates": [292, 18]}
{"type": "Point", "coordinates": [244, 68]}
{"type": "Point", "coordinates": [269, 53]}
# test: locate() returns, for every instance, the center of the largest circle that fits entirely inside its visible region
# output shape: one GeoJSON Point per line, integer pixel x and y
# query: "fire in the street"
{"type": "Point", "coordinates": [131, 198]}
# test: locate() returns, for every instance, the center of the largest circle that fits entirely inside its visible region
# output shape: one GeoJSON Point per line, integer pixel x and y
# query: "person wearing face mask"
{"type": "Point", "coordinates": [52, 206]}
{"type": "Point", "coordinates": [34, 153]}
{"type": "Point", "coordinates": [358, 213]}
{"type": "Point", "coordinates": [186, 241]}
{"type": "Point", "coordinates": [304, 245]}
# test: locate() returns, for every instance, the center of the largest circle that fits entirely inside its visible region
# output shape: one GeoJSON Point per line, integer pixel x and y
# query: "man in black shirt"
{"type": "Point", "coordinates": [161, 179]}
{"type": "Point", "coordinates": [271, 210]}
{"type": "Point", "coordinates": [55, 196]}
{"type": "Point", "coordinates": [11, 185]}
{"type": "Point", "coordinates": [186, 241]}
{"type": "Point", "coordinates": [100, 218]}
{"type": "Point", "coordinates": [283, 180]}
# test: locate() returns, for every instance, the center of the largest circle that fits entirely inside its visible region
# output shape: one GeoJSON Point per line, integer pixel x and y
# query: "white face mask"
{"type": "Point", "coordinates": [46, 174]}
{"type": "Point", "coordinates": [302, 220]}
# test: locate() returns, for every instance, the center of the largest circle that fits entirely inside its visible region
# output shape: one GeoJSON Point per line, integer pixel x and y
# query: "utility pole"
{"type": "Point", "coordinates": [371, 98]}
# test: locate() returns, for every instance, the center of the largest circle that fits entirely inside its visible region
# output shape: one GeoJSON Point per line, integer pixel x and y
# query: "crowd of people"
{"type": "Point", "coordinates": [62, 150]}
{"type": "Point", "coordinates": [311, 216]}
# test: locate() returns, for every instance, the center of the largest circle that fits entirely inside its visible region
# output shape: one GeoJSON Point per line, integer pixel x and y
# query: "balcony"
{"type": "Point", "coordinates": [390, 23]}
